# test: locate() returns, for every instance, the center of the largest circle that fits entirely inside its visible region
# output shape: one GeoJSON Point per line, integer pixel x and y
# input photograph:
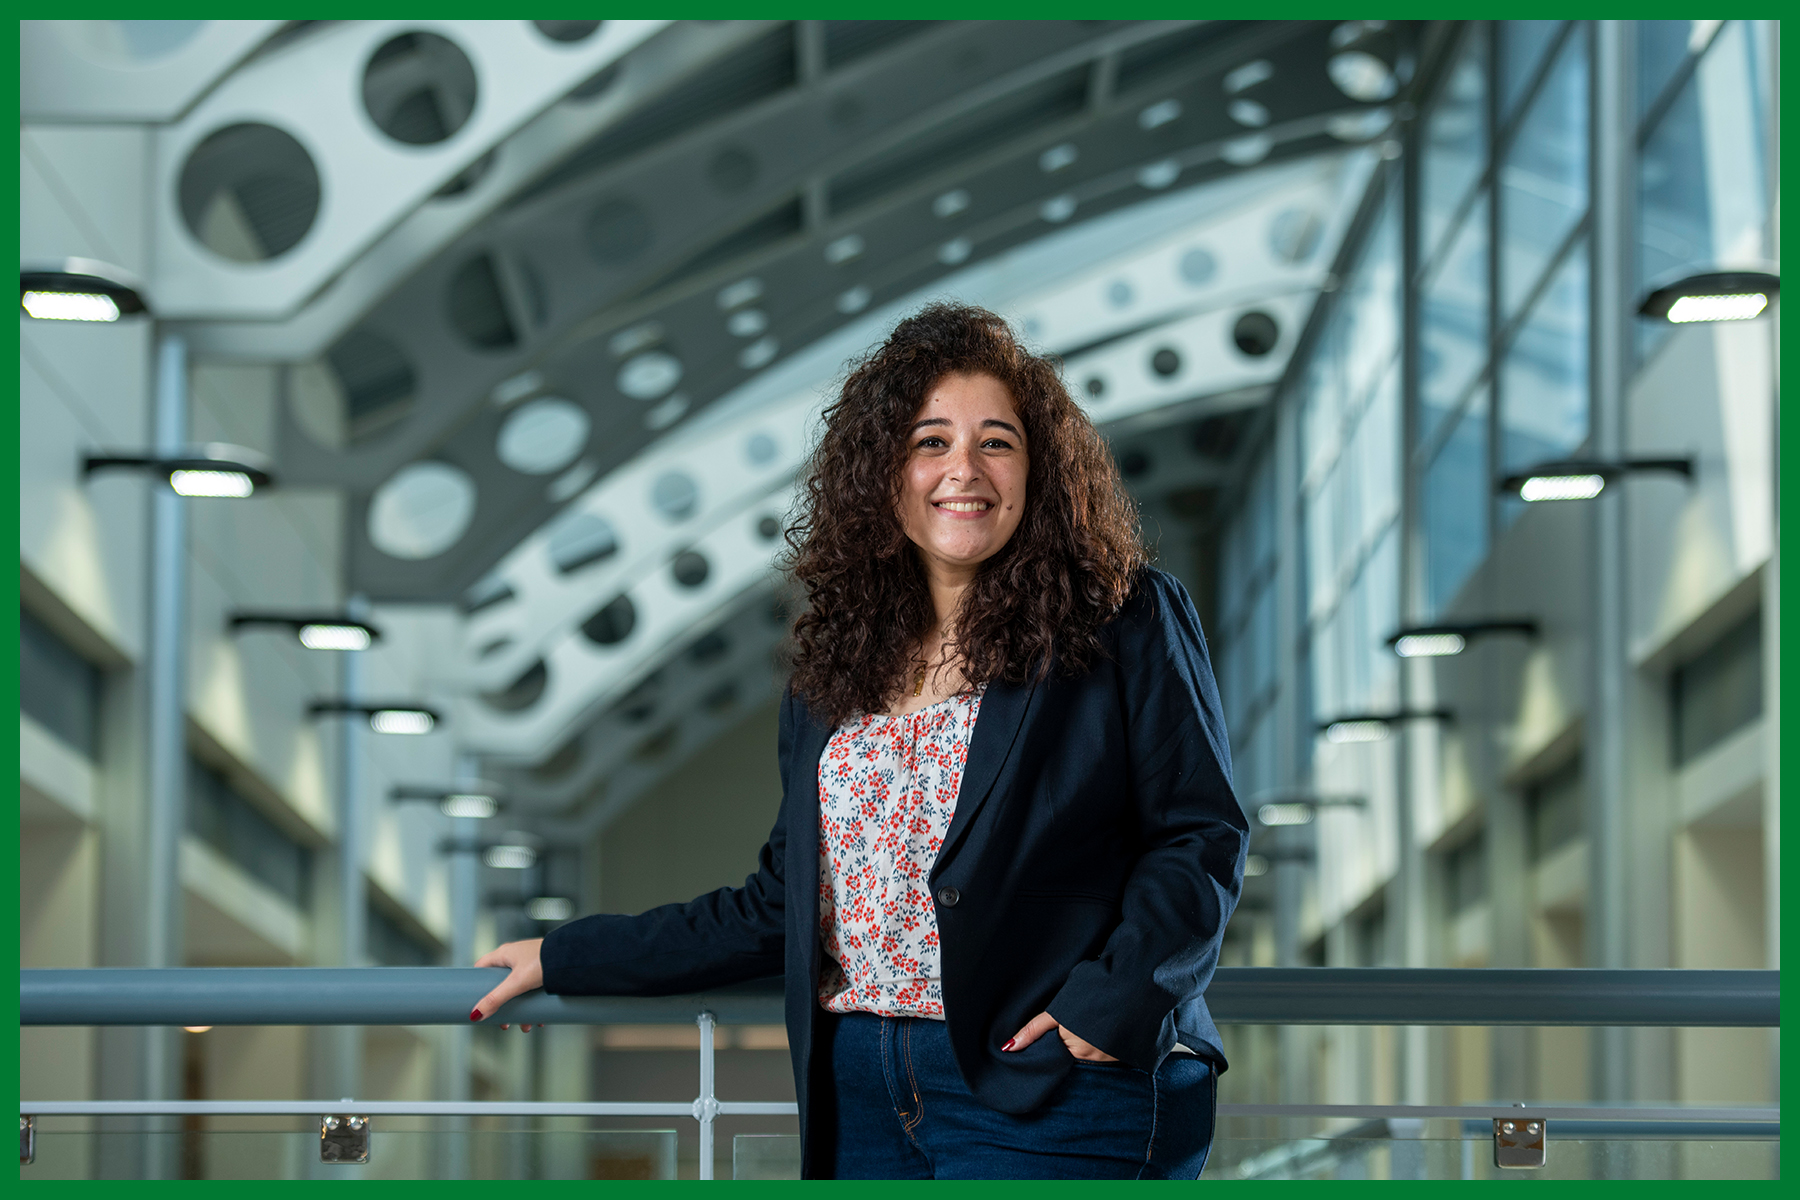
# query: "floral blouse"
{"type": "Point", "coordinates": [887, 791]}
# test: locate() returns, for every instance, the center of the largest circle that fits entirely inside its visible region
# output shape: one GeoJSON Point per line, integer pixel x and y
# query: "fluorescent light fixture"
{"type": "Point", "coordinates": [1561, 487]}
{"type": "Point", "coordinates": [196, 1028]}
{"type": "Point", "coordinates": [320, 635]}
{"type": "Point", "coordinates": [69, 306]}
{"type": "Point", "coordinates": [1742, 306]}
{"type": "Point", "coordinates": [1430, 645]}
{"type": "Point", "coordinates": [79, 289]}
{"type": "Point", "coordinates": [1285, 814]}
{"type": "Point", "coordinates": [315, 631]}
{"type": "Point", "coordinates": [1583, 479]}
{"type": "Point", "coordinates": [550, 908]}
{"type": "Point", "coordinates": [1442, 640]}
{"type": "Point", "coordinates": [508, 857]}
{"type": "Point", "coordinates": [1713, 296]}
{"type": "Point", "coordinates": [1255, 866]}
{"type": "Point", "coordinates": [1375, 727]}
{"type": "Point", "coordinates": [210, 482]}
{"type": "Point", "coordinates": [1349, 732]}
{"type": "Point", "coordinates": [411, 721]}
{"type": "Point", "coordinates": [472, 805]}
{"type": "Point", "coordinates": [213, 470]}
{"type": "Point", "coordinates": [404, 718]}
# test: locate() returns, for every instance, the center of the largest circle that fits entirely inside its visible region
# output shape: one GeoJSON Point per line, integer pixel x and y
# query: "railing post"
{"type": "Point", "coordinates": [707, 1106]}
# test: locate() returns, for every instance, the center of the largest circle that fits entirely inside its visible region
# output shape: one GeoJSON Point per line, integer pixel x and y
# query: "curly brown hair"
{"type": "Point", "coordinates": [1039, 601]}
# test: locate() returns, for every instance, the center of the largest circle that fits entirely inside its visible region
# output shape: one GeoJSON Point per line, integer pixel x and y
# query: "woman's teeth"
{"type": "Point", "coordinates": [965, 505]}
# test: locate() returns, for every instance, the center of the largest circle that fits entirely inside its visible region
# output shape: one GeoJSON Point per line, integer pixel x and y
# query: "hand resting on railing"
{"type": "Point", "coordinates": [521, 958]}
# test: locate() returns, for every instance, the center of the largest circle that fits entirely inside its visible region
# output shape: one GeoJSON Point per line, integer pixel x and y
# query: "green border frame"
{"type": "Point", "coordinates": [1788, 510]}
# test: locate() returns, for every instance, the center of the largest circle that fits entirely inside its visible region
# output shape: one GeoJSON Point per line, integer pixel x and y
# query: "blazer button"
{"type": "Point", "coordinates": [949, 897]}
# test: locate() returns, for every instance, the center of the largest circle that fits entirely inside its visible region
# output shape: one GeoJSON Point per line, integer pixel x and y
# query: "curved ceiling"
{"type": "Point", "coordinates": [556, 302]}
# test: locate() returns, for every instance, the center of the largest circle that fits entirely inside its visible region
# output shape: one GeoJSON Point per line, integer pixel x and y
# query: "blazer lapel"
{"type": "Point", "coordinates": [1003, 708]}
{"type": "Point", "coordinates": [803, 833]}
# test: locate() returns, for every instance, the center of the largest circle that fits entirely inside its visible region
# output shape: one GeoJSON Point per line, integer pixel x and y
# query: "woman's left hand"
{"type": "Point", "coordinates": [1043, 1023]}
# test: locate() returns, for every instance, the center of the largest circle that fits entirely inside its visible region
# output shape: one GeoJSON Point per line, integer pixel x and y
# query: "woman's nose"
{"type": "Point", "coordinates": [964, 466]}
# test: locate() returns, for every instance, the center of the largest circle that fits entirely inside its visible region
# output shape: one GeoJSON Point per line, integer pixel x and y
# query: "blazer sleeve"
{"type": "Point", "coordinates": [1182, 890]}
{"type": "Point", "coordinates": [723, 937]}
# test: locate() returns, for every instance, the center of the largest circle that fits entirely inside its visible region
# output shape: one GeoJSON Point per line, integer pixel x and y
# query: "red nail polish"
{"type": "Point", "coordinates": [475, 1014]}
{"type": "Point", "coordinates": [1009, 1043]}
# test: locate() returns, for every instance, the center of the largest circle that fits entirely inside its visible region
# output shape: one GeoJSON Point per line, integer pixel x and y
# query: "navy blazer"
{"type": "Point", "coordinates": [1094, 856]}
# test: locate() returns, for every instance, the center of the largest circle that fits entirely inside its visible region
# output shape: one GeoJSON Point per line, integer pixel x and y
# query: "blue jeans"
{"type": "Point", "coordinates": [902, 1111]}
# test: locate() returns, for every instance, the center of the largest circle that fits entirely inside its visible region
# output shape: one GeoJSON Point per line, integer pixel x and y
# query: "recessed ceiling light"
{"type": "Point", "coordinates": [1248, 76]}
{"type": "Point", "coordinates": [842, 250]}
{"type": "Point", "coordinates": [950, 203]}
{"type": "Point", "coordinates": [1248, 112]}
{"type": "Point", "coordinates": [1159, 114]}
{"type": "Point", "coordinates": [742, 292]}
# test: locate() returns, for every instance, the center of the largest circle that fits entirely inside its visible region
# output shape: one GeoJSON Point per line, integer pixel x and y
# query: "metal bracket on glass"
{"type": "Point", "coordinates": [1519, 1143]}
{"type": "Point", "coordinates": [27, 1139]}
{"type": "Point", "coordinates": [344, 1139]}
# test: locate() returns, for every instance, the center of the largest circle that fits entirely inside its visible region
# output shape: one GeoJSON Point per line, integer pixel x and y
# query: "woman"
{"type": "Point", "coordinates": [1007, 808]}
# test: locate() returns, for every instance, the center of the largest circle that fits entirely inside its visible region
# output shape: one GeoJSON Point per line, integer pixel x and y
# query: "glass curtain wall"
{"type": "Point", "coordinates": [1499, 342]}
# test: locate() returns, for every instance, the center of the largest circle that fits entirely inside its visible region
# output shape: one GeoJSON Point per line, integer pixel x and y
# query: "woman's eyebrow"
{"type": "Point", "coordinates": [1006, 425]}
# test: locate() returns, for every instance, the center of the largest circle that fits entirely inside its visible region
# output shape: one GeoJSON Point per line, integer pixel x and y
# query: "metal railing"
{"type": "Point", "coordinates": [1237, 996]}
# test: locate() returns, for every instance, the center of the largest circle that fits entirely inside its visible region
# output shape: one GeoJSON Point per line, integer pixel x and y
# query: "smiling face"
{"type": "Point", "coordinates": [962, 488]}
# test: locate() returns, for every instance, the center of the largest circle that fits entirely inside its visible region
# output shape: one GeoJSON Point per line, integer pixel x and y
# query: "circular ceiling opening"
{"type": "Point", "coordinates": [422, 510]}
{"type": "Point", "coordinates": [1255, 334]}
{"type": "Point", "coordinates": [522, 692]}
{"type": "Point", "coordinates": [567, 31]}
{"type": "Point", "coordinates": [675, 495]}
{"type": "Point", "coordinates": [650, 375]}
{"type": "Point", "coordinates": [543, 436]}
{"type": "Point", "coordinates": [690, 568]}
{"type": "Point", "coordinates": [596, 83]}
{"type": "Point", "coordinates": [468, 177]}
{"type": "Point", "coordinates": [129, 43]}
{"type": "Point", "coordinates": [419, 88]}
{"type": "Point", "coordinates": [249, 192]}
{"type": "Point", "coordinates": [1165, 362]}
{"type": "Point", "coordinates": [476, 307]}
{"type": "Point", "coordinates": [760, 449]}
{"type": "Point", "coordinates": [363, 387]}
{"type": "Point", "coordinates": [1197, 267]}
{"type": "Point", "coordinates": [768, 528]}
{"type": "Point", "coordinates": [612, 624]}
{"type": "Point", "coordinates": [580, 539]}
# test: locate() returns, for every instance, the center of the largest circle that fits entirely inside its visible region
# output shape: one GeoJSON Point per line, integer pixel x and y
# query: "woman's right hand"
{"type": "Point", "coordinates": [521, 958]}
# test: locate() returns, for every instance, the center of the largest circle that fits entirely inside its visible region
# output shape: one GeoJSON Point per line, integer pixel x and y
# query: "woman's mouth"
{"type": "Point", "coordinates": [963, 506]}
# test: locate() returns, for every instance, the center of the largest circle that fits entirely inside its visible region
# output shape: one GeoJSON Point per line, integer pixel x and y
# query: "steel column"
{"type": "Point", "coordinates": [1606, 760]}
{"type": "Point", "coordinates": [165, 665]}
{"type": "Point", "coordinates": [352, 853]}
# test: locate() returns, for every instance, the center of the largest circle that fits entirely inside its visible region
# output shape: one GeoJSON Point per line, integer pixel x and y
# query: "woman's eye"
{"type": "Point", "coordinates": [997, 444]}
{"type": "Point", "coordinates": [930, 443]}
